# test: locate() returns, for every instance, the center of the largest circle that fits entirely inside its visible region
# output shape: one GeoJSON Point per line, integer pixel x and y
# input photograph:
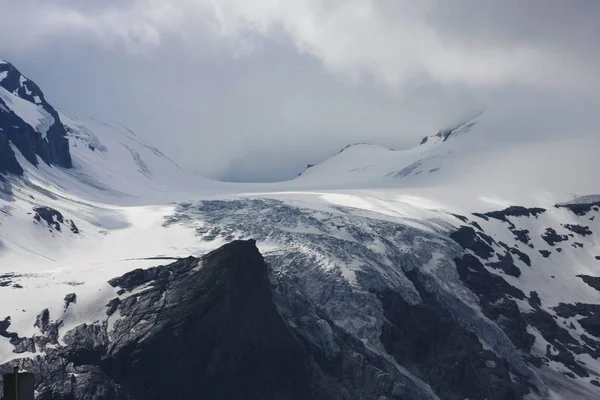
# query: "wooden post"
{"type": "Point", "coordinates": [16, 372]}
{"type": "Point", "coordinates": [19, 385]}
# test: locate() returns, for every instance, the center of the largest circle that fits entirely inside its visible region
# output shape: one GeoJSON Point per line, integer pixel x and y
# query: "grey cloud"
{"type": "Point", "coordinates": [243, 90]}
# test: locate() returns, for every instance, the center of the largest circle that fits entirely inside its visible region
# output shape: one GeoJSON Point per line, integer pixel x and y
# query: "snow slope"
{"type": "Point", "coordinates": [367, 209]}
{"type": "Point", "coordinates": [474, 163]}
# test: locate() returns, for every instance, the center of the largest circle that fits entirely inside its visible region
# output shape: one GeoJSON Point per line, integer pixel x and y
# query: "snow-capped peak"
{"type": "Point", "coordinates": [29, 123]}
{"type": "Point", "coordinates": [453, 131]}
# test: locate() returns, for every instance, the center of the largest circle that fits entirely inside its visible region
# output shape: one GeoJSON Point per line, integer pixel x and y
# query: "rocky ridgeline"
{"type": "Point", "coordinates": [49, 142]}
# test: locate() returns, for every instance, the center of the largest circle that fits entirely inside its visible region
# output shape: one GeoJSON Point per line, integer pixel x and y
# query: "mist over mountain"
{"type": "Point", "coordinates": [466, 266]}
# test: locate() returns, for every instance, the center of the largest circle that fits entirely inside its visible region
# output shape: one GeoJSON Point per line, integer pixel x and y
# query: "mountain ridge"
{"type": "Point", "coordinates": [394, 280]}
{"type": "Point", "coordinates": [29, 123]}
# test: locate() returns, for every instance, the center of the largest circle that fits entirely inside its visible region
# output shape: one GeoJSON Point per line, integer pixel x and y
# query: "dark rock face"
{"type": "Point", "coordinates": [513, 211]}
{"type": "Point", "coordinates": [560, 339]}
{"type": "Point", "coordinates": [505, 263]}
{"type": "Point", "coordinates": [522, 235]}
{"type": "Point", "coordinates": [590, 312]}
{"type": "Point", "coordinates": [581, 209]}
{"type": "Point", "coordinates": [579, 229]}
{"type": "Point", "coordinates": [480, 281]}
{"type": "Point", "coordinates": [461, 217]}
{"type": "Point", "coordinates": [43, 320]}
{"type": "Point", "coordinates": [53, 219]}
{"type": "Point", "coordinates": [551, 237]}
{"type": "Point", "coordinates": [53, 149]}
{"type": "Point", "coordinates": [476, 241]}
{"type": "Point", "coordinates": [224, 324]}
{"type": "Point", "coordinates": [430, 343]}
{"type": "Point", "coordinates": [495, 299]}
{"type": "Point", "coordinates": [534, 299]}
{"type": "Point", "coordinates": [522, 256]}
{"type": "Point", "coordinates": [70, 298]}
{"type": "Point", "coordinates": [208, 326]}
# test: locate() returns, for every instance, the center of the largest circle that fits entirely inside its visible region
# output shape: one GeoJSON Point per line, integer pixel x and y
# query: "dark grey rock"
{"type": "Point", "coordinates": [476, 241]}
{"type": "Point", "coordinates": [506, 264]}
{"type": "Point", "coordinates": [545, 253]}
{"type": "Point", "coordinates": [70, 298]}
{"type": "Point", "coordinates": [551, 237]}
{"type": "Point", "coordinates": [593, 281]}
{"type": "Point", "coordinates": [42, 321]}
{"type": "Point", "coordinates": [582, 208]}
{"type": "Point", "coordinates": [579, 229]}
{"type": "Point", "coordinates": [522, 235]}
{"type": "Point", "coordinates": [54, 149]}
{"type": "Point", "coordinates": [534, 299]}
{"type": "Point", "coordinates": [210, 326]}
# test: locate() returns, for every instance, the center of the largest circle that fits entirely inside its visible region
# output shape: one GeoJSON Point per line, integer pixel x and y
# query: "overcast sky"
{"type": "Point", "coordinates": [256, 89]}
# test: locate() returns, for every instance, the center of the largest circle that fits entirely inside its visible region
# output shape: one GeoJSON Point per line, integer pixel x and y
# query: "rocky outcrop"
{"type": "Point", "coordinates": [48, 142]}
{"type": "Point", "coordinates": [382, 310]}
{"type": "Point", "coordinates": [53, 219]}
{"type": "Point", "coordinates": [208, 326]}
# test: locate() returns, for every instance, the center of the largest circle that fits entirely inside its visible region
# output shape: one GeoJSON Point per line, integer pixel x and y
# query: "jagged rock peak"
{"type": "Point", "coordinates": [28, 123]}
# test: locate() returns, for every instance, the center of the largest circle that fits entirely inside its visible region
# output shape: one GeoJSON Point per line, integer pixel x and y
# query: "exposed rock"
{"type": "Point", "coordinates": [494, 292]}
{"type": "Point", "coordinates": [506, 263]}
{"type": "Point", "coordinates": [70, 298]}
{"type": "Point", "coordinates": [522, 235]}
{"type": "Point", "coordinates": [197, 326]}
{"type": "Point", "coordinates": [476, 225]}
{"type": "Point", "coordinates": [4, 324]}
{"type": "Point", "coordinates": [476, 241]}
{"type": "Point", "coordinates": [513, 211]}
{"type": "Point", "coordinates": [534, 299]}
{"type": "Point", "coordinates": [560, 339]}
{"type": "Point", "coordinates": [461, 217]}
{"type": "Point", "coordinates": [86, 344]}
{"type": "Point", "coordinates": [581, 209]}
{"type": "Point", "coordinates": [590, 312]}
{"type": "Point", "coordinates": [52, 146]}
{"type": "Point", "coordinates": [522, 256]}
{"type": "Point", "coordinates": [112, 306]}
{"type": "Point", "coordinates": [551, 237]}
{"type": "Point", "coordinates": [42, 321]}
{"type": "Point", "coordinates": [431, 344]}
{"type": "Point", "coordinates": [73, 227]}
{"type": "Point", "coordinates": [545, 253]}
{"type": "Point", "coordinates": [578, 229]}
{"type": "Point", "coordinates": [23, 345]}
{"type": "Point", "coordinates": [482, 282]}
{"type": "Point", "coordinates": [54, 219]}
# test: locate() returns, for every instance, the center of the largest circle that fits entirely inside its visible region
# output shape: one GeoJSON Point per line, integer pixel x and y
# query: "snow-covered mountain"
{"type": "Point", "coordinates": [466, 267]}
{"type": "Point", "coordinates": [29, 123]}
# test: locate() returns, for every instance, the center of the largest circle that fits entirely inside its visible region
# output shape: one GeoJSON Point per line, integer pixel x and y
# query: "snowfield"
{"type": "Point", "coordinates": [359, 222]}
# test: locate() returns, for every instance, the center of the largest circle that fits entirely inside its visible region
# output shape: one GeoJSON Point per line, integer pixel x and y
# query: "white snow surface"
{"type": "Point", "coordinates": [121, 191]}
